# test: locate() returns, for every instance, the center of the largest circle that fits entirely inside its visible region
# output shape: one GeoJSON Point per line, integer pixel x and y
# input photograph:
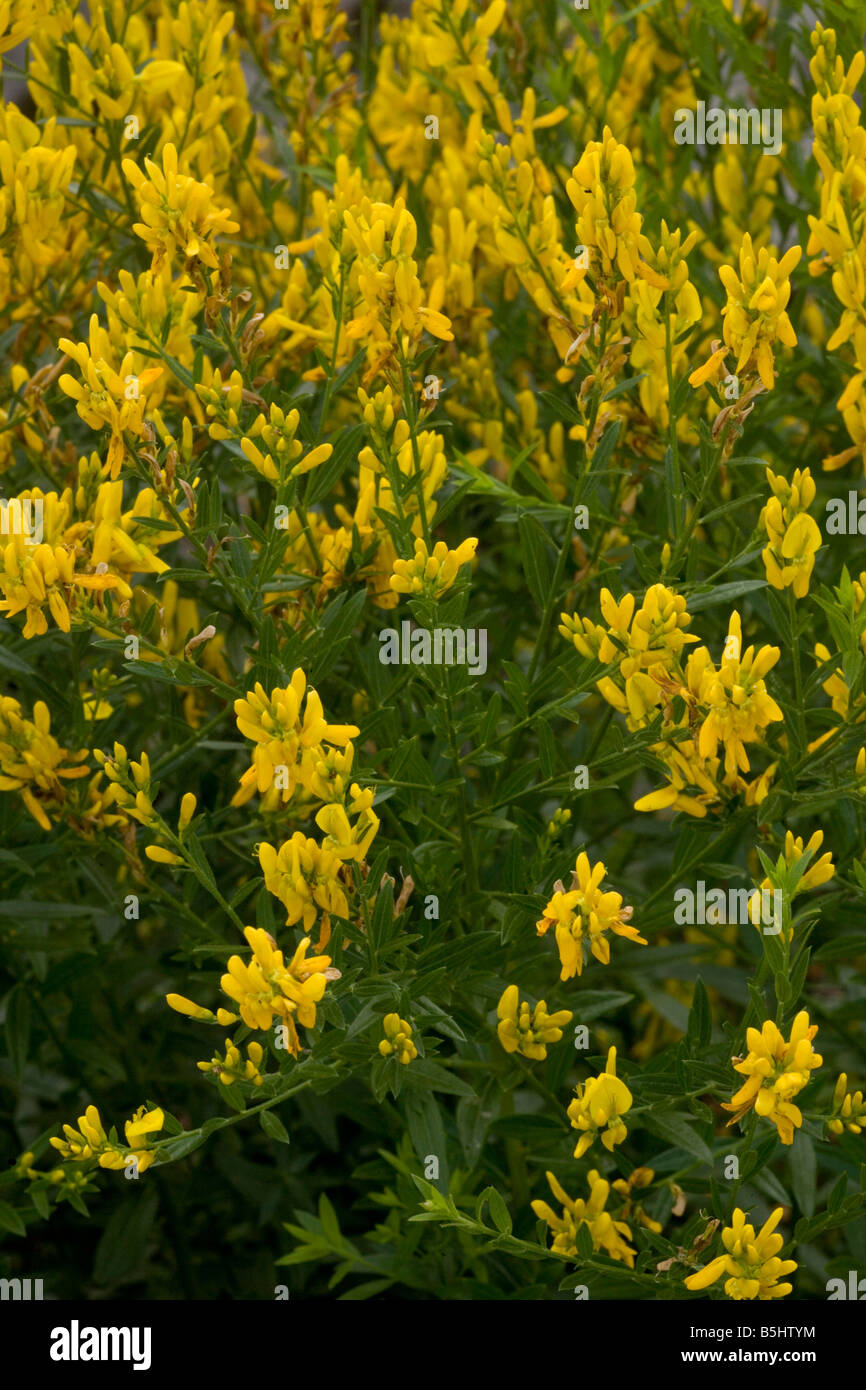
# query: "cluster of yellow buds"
{"type": "Point", "coordinates": [397, 1041]}
{"type": "Point", "coordinates": [583, 916]}
{"type": "Point", "coordinates": [178, 212]}
{"type": "Point", "coordinates": [776, 1070]}
{"type": "Point", "coordinates": [755, 315]}
{"type": "Point", "coordinates": [285, 457]}
{"type": "Point", "coordinates": [598, 1108]}
{"type": "Point", "coordinates": [608, 1236]}
{"type": "Point", "coordinates": [849, 1109]}
{"type": "Point", "coordinates": [751, 1261]}
{"type": "Point", "coordinates": [130, 781]}
{"type": "Point", "coordinates": [794, 536]}
{"type": "Point", "coordinates": [232, 1068]}
{"type": "Point", "coordinates": [525, 1030]}
{"type": "Point", "coordinates": [33, 763]}
{"type": "Point", "coordinates": [602, 191]}
{"type": "Point", "coordinates": [431, 573]}
{"type": "Point", "coordinates": [90, 1140]}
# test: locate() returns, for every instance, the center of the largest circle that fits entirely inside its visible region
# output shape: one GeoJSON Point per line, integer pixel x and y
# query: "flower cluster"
{"type": "Point", "coordinates": [776, 1070]}
{"type": "Point", "coordinates": [609, 1236]}
{"type": "Point", "coordinates": [751, 1261]}
{"type": "Point", "coordinates": [583, 916]}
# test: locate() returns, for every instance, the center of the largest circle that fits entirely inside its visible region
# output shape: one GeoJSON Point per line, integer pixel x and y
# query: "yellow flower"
{"type": "Point", "coordinates": [599, 1105]}
{"type": "Point", "coordinates": [33, 763]}
{"type": "Point", "coordinates": [288, 744]}
{"type": "Point", "coordinates": [306, 877]}
{"type": "Point", "coordinates": [776, 1071]}
{"type": "Point", "coordinates": [584, 915]}
{"type": "Point", "coordinates": [794, 536]}
{"type": "Point", "coordinates": [107, 395]}
{"type": "Point", "coordinates": [431, 573]}
{"type": "Point", "coordinates": [265, 987]}
{"type": "Point", "coordinates": [91, 1141]}
{"type": "Point", "coordinates": [755, 317]}
{"type": "Point", "coordinates": [751, 1261]}
{"type": "Point", "coordinates": [350, 841]}
{"type": "Point", "coordinates": [602, 192]}
{"type": "Point", "coordinates": [390, 312]}
{"type": "Point", "coordinates": [178, 212]}
{"type": "Point", "coordinates": [398, 1040]}
{"type": "Point", "coordinates": [738, 705]}
{"type": "Point", "coordinates": [607, 1234]}
{"type": "Point", "coordinates": [528, 1031]}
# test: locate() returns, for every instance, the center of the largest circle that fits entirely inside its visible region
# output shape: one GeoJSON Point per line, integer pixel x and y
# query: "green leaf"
{"type": "Point", "coordinates": [583, 1241]}
{"type": "Point", "coordinates": [837, 1196]}
{"type": "Point", "coordinates": [803, 1172]}
{"type": "Point", "coordinates": [675, 1130]}
{"type": "Point", "coordinates": [274, 1127]}
{"type": "Point", "coordinates": [433, 1077]}
{"type": "Point", "coordinates": [18, 1027]}
{"type": "Point", "coordinates": [124, 1241]}
{"type": "Point", "coordinates": [536, 552]}
{"type": "Point", "coordinates": [11, 1221]}
{"type": "Point", "coordinates": [597, 1003]}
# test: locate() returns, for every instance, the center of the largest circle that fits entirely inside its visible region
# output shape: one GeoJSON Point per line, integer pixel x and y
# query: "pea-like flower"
{"type": "Point", "coordinates": [755, 315]}
{"type": "Point", "coordinates": [598, 1108]}
{"type": "Point", "coordinates": [583, 916]}
{"type": "Point", "coordinates": [288, 744]}
{"type": "Point", "coordinates": [794, 536]}
{"type": "Point", "coordinates": [776, 1070]}
{"type": "Point", "coordinates": [178, 213]}
{"type": "Point", "coordinates": [91, 1141]}
{"type": "Point", "coordinates": [751, 1261]}
{"type": "Point", "coordinates": [608, 1236]}
{"type": "Point", "coordinates": [266, 987]}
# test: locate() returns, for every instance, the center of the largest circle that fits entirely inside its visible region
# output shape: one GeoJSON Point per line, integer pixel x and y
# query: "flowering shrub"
{"type": "Point", "coordinates": [418, 467]}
